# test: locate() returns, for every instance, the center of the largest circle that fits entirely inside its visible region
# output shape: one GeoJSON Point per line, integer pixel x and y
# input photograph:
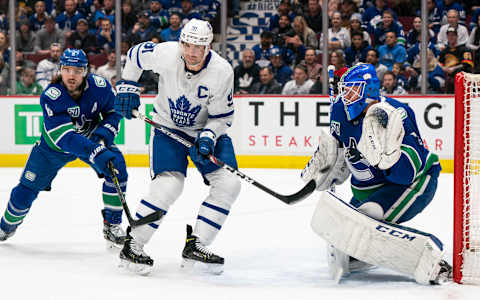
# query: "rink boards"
{"type": "Point", "coordinates": [268, 131]}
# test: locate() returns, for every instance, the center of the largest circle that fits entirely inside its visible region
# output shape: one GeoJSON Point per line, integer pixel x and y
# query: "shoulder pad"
{"type": "Point", "coordinates": [53, 93]}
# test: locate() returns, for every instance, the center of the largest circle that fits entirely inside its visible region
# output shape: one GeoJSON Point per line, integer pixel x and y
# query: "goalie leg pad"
{"type": "Point", "coordinates": [224, 190]}
{"type": "Point", "coordinates": [383, 244]}
{"type": "Point", "coordinates": [164, 189]}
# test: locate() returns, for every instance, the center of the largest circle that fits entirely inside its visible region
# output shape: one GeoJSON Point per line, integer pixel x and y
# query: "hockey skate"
{"type": "Point", "coordinates": [113, 234]}
{"type": "Point", "coordinates": [197, 257]}
{"type": "Point", "coordinates": [5, 235]}
{"type": "Point", "coordinates": [133, 258]}
{"type": "Point", "coordinates": [445, 274]}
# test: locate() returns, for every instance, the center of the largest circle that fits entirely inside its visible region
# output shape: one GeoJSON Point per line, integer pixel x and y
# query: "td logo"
{"type": "Point", "coordinates": [28, 122]}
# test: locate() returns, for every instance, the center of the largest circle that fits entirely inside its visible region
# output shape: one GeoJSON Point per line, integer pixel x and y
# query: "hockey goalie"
{"type": "Point", "coordinates": [394, 177]}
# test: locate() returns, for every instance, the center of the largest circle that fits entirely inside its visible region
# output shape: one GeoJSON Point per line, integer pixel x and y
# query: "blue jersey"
{"type": "Point", "coordinates": [414, 164]}
{"type": "Point", "coordinates": [67, 124]}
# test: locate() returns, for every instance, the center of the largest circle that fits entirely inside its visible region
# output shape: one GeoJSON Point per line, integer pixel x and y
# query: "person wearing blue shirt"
{"type": "Point", "coordinates": [158, 16]}
{"type": "Point", "coordinates": [67, 20]}
{"type": "Point", "coordinates": [391, 52]}
{"type": "Point", "coordinates": [106, 35]}
{"type": "Point", "coordinates": [281, 71]}
{"type": "Point", "coordinates": [172, 33]}
{"type": "Point", "coordinates": [79, 121]}
{"type": "Point", "coordinates": [387, 24]}
{"type": "Point", "coordinates": [357, 52]}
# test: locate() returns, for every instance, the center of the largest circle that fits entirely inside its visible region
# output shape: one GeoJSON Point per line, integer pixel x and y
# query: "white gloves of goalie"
{"type": "Point", "coordinates": [327, 165]}
{"type": "Point", "coordinates": [382, 135]}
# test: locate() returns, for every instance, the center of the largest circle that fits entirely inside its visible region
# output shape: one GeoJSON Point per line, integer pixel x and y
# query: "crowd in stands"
{"type": "Point", "coordinates": [44, 28]}
{"type": "Point", "coordinates": [289, 55]}
{"type": "Point", "coordinates": [287, 60]}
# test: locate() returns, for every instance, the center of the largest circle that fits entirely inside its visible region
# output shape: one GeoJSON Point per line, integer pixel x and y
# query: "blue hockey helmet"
{"type": "Point", "coordinates": [358, 84]}
{"type": "Point", "coordinates": [74, 57]}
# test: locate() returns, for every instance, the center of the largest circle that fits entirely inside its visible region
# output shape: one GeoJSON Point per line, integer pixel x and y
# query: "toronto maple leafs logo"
{"type": "Point", "coordinates": [181, 114]}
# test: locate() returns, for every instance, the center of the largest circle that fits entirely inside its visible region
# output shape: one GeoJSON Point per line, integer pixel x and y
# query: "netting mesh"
{"type": "Point", "coordinates": [471, 181]}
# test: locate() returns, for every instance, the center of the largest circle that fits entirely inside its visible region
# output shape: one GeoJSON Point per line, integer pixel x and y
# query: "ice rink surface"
{"type": "Point", "coordinates": [269, 248]}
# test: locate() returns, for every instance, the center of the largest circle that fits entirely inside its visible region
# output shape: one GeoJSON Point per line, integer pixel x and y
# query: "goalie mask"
{"type": "Point", "coordinates": [357, 85]}
{"type": "Point", "coordinates": [197, 32]}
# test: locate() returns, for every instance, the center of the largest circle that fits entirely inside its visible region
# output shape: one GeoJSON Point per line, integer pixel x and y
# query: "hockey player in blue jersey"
{"type": "Point", "coordinates": [376, 139]}
{"type": "Point", "coordinates": [79, 121]}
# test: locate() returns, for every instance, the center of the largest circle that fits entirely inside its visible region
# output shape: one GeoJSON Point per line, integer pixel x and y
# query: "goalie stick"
{"type": "Point", "coordinates": [288, 199]}
{"type": "Point", "coordinates": [153, 217]}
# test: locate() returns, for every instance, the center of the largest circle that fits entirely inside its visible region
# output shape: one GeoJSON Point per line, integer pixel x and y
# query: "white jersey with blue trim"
{"type": "Point", "coordinates": [186, 101]}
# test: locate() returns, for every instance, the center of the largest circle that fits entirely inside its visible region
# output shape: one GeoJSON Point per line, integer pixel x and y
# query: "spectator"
{"type": "Point", "coordinates": [314, 69]}
{"type": "Point", "coordinates": [300, 84]}
{"type": "Point", "coordinates": [128, 16]}
{"type": "Point", "coordinates": [67, 20]}
{"type": "Point", "coordinates": [27, 84]}
{"type": "Point", "coordinates": [388, 24]}
{"type": "Point", "coordinates": [188, 12]}
{"type": "Point", "coordinates": [454, 58]}
{"type": "Point", "coordinates": [338, 37]}
{"type": "Point", "coordinates": [284, 9]}
{"type": "Point", "coordinates": [172, 33]}
{"type": "Point", "coordinates": [113, 80]}
{"type": "Point", "coordinates": [262, 50]}
{"type": "Point", "coordinates": [372, 58]}
{"type": "Point", "coordinates": [282, 72]}
{"type": "Point", "coordinates": [124, 46]}
{"type": "Point", "coordinates": [107, 12]}
{"type": "Point", "coordinates": [280, 33]}
{"type": "Point", "coordinates": [86, 8]}
{"type": "Point", "coordinates": [436, 76]}
{"type": "Point", "coordinates": [21, 62]}
{"type": "Point", "coordinates": [397, 70]}
{"type": "Point", "coordinates": [108, 70]}
{"type": "Point", "coordinates": [389, 86]}
{"type": "Point", "coordinates": [158, 16]}
{"type": "Point", "coordinates": [305, 34]}
{"type": "Point", "coordinates": [37, 20]}
{"type": "Point", "coordinates": [358, 51]}
{"type": "Point", "coordinates": [337, 59]}
{"type": "Point", "coordinates": [143, 30]}
{"type": "Point", "coordinates": [474, 44]}
{"type": "Point", "coordinates": [4, 77]}
{"type": "Point", "coordinates": [461, 30]}
{"type": "Point", "coordinates": [25, 38]}
{"type": "Point", "coordinates": [391, 52]}
{"type": "Point", "coordinates": [347, 9]}
{"type": "Point", "coordinates": [4, 49]}
{"type": "Point", "coordinates": [415, 34]}
{"type": "Point", "coordinates": [246, 74]}
{"type": "Point", "coordinates": [453, 5]}
{"type": "Point", "coordinates": [82, 39]}
{"type": "Point", "coordinates": [106, 36]}
{"type": "Point", "coordinates": [48, 67]}
{"type": "Point", "coordinates": [207, 8]}
{"type": "Point", "coordinates": [434, 16]}
{"type": "Point", "coordinates": [373, 14]}
{"type": "Point", "coordinates": [313, 16]}
{"type": "Point", "coordinates": [48, 36]}
{"type": "Point", "coordinates": [356, 25]}
{"type": "Point", "coordinates": [267, 84]}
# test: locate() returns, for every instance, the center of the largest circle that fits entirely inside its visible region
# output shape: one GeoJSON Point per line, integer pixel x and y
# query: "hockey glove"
{"type": "Point", "coordinates": [100, 157]}
{"type": "Point", "coordinates": [128, 97]}
{"type": "Point", "coordinates": [203, 147]}
{"type": "Point", "coordinates": [106, 133]}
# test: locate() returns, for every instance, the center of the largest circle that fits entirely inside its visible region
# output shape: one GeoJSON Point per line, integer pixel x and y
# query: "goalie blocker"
{"type": "Point", "coordinates": [379, 243]}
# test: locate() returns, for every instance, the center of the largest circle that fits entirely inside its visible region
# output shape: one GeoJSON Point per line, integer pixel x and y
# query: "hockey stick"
{"type": "Point", "coordinates": [288, 199]}
{"type": "Point", "coordinates": [331, 69]}
{"type": "Point", "coordinates": [153, 217]}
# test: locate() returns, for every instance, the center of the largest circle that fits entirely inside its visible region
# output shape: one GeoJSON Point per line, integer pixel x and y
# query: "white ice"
{"type": "Point", "coordinates": [269, 248]}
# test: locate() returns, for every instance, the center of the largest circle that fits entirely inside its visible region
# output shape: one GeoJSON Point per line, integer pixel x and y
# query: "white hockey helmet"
{"type": "Point", "coordinates": [197, 32]}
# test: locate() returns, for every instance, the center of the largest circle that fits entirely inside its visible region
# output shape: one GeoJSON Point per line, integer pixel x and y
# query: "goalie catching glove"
{"type": "Point", "coordinates": [382, 135]}
{"type": "Point", "coordinates": [327, 165]}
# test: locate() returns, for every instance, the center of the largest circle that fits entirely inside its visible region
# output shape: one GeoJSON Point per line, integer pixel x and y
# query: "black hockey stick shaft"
{"type": "Point", "coordinates": [288, 199]}
{"type": "Point", "coordinates": [153, 217]}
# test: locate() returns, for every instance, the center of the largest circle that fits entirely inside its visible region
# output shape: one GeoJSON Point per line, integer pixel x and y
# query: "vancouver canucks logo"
{"type": "Point", "coordinates": [181, 113]}
{"type": "Point", "coordinates": [352, 153]}
{"type": "Point", "coordinates": [83, 125]}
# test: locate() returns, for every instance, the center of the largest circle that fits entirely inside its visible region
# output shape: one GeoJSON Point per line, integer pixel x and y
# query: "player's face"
{"type": "Point", "coordinates": [350, 93]}
{"type": "Point", "coordinates": [72, 77]}
{"type": "Point", "coordinates": [193, 54]}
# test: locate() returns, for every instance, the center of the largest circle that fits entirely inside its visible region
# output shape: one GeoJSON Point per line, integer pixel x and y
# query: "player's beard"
{"type": "Point", "coordinates": [75, 89]}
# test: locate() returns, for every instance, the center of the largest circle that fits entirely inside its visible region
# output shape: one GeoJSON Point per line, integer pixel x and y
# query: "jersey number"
{"type": "Point", "coordinates": [148, 47]}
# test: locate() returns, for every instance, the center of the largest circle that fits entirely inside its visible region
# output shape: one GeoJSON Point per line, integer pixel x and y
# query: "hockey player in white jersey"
{"type": "Point", "coordinates": [194, 101]}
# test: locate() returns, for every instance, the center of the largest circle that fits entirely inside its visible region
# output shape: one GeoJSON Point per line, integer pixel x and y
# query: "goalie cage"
{"type": "Point", "coordinates": [466, 232]}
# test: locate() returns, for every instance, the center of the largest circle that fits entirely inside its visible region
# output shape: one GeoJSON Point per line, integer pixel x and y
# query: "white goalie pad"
{"type": "Point", "coordinates": [379, 243]}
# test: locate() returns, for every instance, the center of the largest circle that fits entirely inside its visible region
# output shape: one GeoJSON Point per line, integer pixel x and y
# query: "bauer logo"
{"type": "Point", "coordinates": [28, 123]}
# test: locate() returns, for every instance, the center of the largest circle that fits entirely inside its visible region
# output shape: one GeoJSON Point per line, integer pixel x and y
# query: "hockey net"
{"type": "Point", "coordinates": [466, 244]}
